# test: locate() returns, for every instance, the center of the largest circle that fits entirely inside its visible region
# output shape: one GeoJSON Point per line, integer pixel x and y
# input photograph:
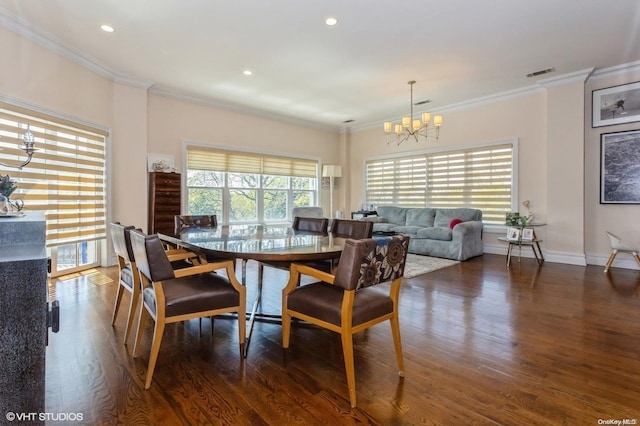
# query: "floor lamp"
{"type": "Point", "coordinates": [331, 172]}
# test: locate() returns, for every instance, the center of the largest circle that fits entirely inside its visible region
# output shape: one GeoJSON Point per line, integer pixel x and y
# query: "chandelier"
{"type": "Point", "coordinates": [417, 128]}
{"type": "Point", "coordinates": [28, 147]}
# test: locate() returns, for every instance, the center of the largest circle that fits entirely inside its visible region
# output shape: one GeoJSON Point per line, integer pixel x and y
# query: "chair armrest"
{"type": "Point", "coordinates": [173, 251]}
{"type": "Point", "coordinates": [314, 272]}
{"type": "Point", "coordinates": [298, 269]}
{"type": "Point", "coordinates": [227, 265]}
{"type": "Point", "coordinates": [183, 254]}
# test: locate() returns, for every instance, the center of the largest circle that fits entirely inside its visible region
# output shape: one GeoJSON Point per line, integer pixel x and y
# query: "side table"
{"type": "Point", "coordinates": [533, 242]}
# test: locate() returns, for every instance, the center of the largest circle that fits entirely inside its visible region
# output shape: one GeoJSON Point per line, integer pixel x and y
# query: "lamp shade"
{"type": "Point", "coordinates": [331, 171]}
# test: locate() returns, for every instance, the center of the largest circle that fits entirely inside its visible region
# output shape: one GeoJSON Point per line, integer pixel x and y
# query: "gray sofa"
{"type": "Point", "coordinates": [430, 232]}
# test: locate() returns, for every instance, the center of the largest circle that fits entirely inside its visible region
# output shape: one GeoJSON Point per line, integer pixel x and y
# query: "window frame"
{"type": "Point", "coordinates": [75, 154]}
{"type": "Point", "coordinates": [291, 190]}
{"type": "Point", "coordinates": [444, 150]}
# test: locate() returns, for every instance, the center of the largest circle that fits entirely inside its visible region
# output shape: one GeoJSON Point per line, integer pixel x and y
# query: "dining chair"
{"type": "Point", "coordinates": [310, 224]}
{"type": "Point", "coordinates": [300, 224]}
{"type": "Point", "coordinates": [619, 246]}
{"type": "Point", "coordinates": [195, 221]}
{"type": "Point", "coordinates": [182, 222]}
{"type": "Point", "coordinates": [345, 302]}
{"type": "Point", "coordinates": [170, 295]}
{"type": "Point", "coordinates": [356, 229]}
{"type": "Point", "coordinates": [345, 228]}
{"type": "Point", "coordinates": [128, 278]}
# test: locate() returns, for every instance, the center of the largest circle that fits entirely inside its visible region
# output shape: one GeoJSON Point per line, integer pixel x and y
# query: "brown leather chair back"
{"type": "Point", "coordinates": [356, 229]}
{"type": "Point", "coordinates": [371, 261]}
{"type": "Point", "coordinates": [310, 224]}
{"type": "Point", "coordinates": [151, 258]}
{"type": "Point", "coordinates": [195, 221]}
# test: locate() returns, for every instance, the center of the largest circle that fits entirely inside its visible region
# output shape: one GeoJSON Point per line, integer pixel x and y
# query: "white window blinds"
{"type": "Point", "coordinates": [199, 158]}
{"type": "Point", "coordinates": [479, 177]}
{"type": "Point", "coordinates": [66, 177]}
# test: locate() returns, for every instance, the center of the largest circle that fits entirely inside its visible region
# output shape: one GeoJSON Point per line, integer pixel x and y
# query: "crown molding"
{"type": "Point", "coordinates": [616, 70]}
{"type": "Point", "coordinates": [42, 38]}
{"type": "Point", "coordinates": [496, 97]}
{"type": "Point", "coordinates": [130, 81]}
{"type": "Point", "coordinates": [34, 34]}
{"type": "Point", "coordinates": [581, 75]}
{"type": "Point", "coordinates": [561, 80]}
{"type": "Point", "coordinates": [243, 109]}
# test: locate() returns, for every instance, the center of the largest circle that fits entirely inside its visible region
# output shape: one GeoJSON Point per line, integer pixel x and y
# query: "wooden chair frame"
{"type": "Point", "coordinates": [160, 319]}
{"type": "Point", "coordinates": [346, 330]}
{"type": "Point", "coordinates": [123, 261]}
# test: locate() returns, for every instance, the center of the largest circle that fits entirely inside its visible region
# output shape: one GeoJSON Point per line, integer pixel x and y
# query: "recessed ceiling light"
{"type": "Point", "coordinates": [247, 72]}
{"type": "Point", "coordinates": [331, 21]}
{"type": "Point", "coordinates": [106, 28]}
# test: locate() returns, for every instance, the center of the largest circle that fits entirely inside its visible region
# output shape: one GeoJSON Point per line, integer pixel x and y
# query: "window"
{"type": "Point", "coordinates": [244, 187]}
{"type": "Point", "coordinates": [65, 179]}
{"type": "Point", "coordinates": [477, 177]}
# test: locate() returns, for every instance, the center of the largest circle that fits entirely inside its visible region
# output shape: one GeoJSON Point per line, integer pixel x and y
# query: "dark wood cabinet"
{"type": "Point", "coordinates": [164, 201]}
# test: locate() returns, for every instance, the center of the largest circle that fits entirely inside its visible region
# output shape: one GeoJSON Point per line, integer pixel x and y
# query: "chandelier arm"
{"type": "Point", "coordinates": [28, 148]}
{"type": "Point", "coordinates": [27, 161]}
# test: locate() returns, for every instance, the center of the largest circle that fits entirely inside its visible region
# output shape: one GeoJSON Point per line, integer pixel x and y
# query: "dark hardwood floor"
{"type": "Point", "coordinates": [483, 344]}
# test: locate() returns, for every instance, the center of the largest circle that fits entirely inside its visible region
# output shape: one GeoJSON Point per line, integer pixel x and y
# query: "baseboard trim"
{"type": "Point", "coordinates": [622, 260]}
{"type": "Point", "coordinates": [549, 256]}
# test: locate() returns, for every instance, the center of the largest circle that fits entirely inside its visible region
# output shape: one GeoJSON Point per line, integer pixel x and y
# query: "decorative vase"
{"type": "Point", "coordinates": [5, 206]}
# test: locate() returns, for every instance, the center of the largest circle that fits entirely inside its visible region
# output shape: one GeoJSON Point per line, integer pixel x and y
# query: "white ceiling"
{"type": "Point", "coordinates": [457, 50]}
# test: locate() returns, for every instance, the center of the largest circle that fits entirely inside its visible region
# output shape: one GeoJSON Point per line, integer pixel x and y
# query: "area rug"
{"type": "Point", "coordinates": [418, 265]}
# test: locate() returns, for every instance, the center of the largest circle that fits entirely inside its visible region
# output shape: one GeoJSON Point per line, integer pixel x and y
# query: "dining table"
{"type": "Point", "coordinates": [260, 242]}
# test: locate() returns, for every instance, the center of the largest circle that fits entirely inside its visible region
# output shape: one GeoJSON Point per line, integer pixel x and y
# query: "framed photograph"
{"type": "Point", "coordinates": [528, 234]}
{"type": "Point", "coordinates": [513, 234]}
{"type": "Point", "coordinates": [616, 105]}
{"type": "Point", "coordinates": [160, 163]}
{"type": "Point", "coordinates": [620, 167]}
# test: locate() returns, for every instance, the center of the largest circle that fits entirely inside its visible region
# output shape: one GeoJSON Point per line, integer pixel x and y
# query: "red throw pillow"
{"type": "Point", "coordinates": [454, 222]}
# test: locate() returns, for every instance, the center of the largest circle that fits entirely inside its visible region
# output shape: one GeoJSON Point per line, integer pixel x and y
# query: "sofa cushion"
{"type": "Point", "coordinates": [375, 219]}
{"type": "Point", "coordinates": [435, 233]}
{"type": "Point", "coordinates": [410, 230]}
{"type": "Point", "coordinates": [444, 216]}
{"type": "Point", "coordinates": [397, 215]}
{"type": "Point", "coordinates": [421, 217]}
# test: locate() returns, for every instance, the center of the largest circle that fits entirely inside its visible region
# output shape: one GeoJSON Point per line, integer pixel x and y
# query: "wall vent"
{"type": "Point", "coordinates": [537, 73]}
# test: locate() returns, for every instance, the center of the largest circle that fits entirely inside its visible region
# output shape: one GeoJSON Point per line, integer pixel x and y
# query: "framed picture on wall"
{"type": "Point", "coordinates": [160, 163]}
{"type": "Point", "coordinates": [620, 167]}
{"type": "Point", "coordinates": [616, 105]}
